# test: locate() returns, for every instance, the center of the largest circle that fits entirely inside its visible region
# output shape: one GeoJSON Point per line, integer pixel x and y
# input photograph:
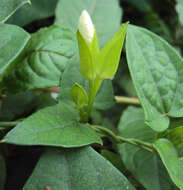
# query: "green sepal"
{"type": "Point", "coordinates": [108, 60]}
{"type": "Point", "coordinates": [79, 96]}
{"type": "Point", "coordinates": [88, 55]}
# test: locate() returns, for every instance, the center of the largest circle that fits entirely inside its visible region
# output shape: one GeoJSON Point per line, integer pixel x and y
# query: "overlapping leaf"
{"type": "Point", "coordinates": [8, 7]}
{"type": "Point", "coordinates": [145, 166]}
{"type": "Point", "coordinates": [106, 24]}
{"type": "Point", "coordinates": [157, 70]}
{"type": "Point", "coordinates": [12, 41]}
{"type": "Point", "coordinates": [76, 169]}
{"type": "Point", "coordinates": [43, 60]}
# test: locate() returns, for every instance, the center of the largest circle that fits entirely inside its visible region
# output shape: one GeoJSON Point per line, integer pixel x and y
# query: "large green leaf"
{"type": "Point", "coordinates": [106, 15]}
{"type": "Point", "coordinates": [55, 126]}
{"type": "Point", "coordinates": [157, 70]}
{"type": "Point", "coordinates": [171, 161]}
{"type": "Point", "coordinates": [105, 97]}
{"type": "Point", "coordinates": [39, 9]}
{"type": "Point", "coordinates": [3, 173]}
{"type": "Point", "coordinates": [76, 169]}
{"type": "Point", "coordinates": [145, 166]}
{"type": "Point", "coordinates": [12, 41]}
{"type": "Point", "coordinates": [43, 60]}
{"type": "Point", "coordinates": [8, 7]}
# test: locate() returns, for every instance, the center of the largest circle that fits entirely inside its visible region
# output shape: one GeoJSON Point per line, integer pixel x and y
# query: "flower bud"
{"type": "Point", "coordinates": [86, 27]}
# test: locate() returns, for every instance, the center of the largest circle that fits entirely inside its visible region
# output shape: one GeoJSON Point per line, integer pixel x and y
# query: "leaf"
{"type": "Point", "coordinates": [13, 40]}
{"type": "Point", "coordinates": [179, 9]}
{"type": "Point", "coordinates": [39, 9]}
{"type": "Point", "coordinates": [68, 12]}
{"type": "Point", "coordinates": [76, 169]}
{"type": "Point", "coordinates": [53, 126]}
{"type": "Point", "coordinates": [43, 60]}
{"type": "Point", "coordinates": [79, 95]}
{"type": "Point", "coordinates": [105, 98]}
{"type": "Point", "coordinates": [156, 69]}
{"type": "Point", "coordinates": [109, 57]}
{"type": "Point", "coordinates": [145, 166]}
{"type": "Point", "coordinates": [3, 173]}
{"type": "Point", "coordinates": [171, 161]}
{"type": "Point", "coordinates": [9, 7]}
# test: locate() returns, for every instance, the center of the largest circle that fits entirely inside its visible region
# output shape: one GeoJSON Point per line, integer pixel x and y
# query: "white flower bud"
{"type": "Point", "coordinates": [86, 27]}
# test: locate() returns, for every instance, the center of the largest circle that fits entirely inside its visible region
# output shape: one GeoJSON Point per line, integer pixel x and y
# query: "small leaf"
{"type": "Point", "coordinates": [53, 126]}
{"type": "Point", "coordinates": [43, 61]}
{"type": "Point", "coordinates": [68, 13]}
{"type": "Point", "coordinates": [145, 166]}
{"type": "Point", "coordinates": [79, 95]}
{"type": "Point", "coordinates": [105, 98]}
{"type": "Point", "coordinates": [108, 60]}
{"type": "Point", "coordinates": [76, 169]}
{"type": "Point", "coordinates": [9, 7]}
{"type": "Point", "coordinates": [156, 70]}
{"type": "Point", "coordinates": [171, 161]}
{"type": "Point", "coordinates": [13, 40]}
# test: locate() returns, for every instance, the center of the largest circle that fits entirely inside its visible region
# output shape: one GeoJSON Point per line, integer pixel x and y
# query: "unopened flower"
{"type": "Point", "coordinates": [86, 27]}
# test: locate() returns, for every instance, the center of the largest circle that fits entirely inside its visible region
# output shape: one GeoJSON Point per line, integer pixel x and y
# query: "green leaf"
{"type": "Point", "coordinates": [156, 70]}
{"type": "Point", "coordinates": [179, 9]}
{"type": "Point", "coordinates": [109, 57]}
{"type": "Point", "coordinates": [76, 169]}
{"type": "Point", "coordinates": [79, 95]}
{"type": "Point", "coordinates": [43, 60]}
{"type": "Point", "coordinates": [3, 173]}
{"type": "Point", "coordinates": [171, 161]}
{"type": "Point", "coordinates": [13, 39]}
{"type": "Point", "coordinates": [68, 12]}
{"type": "Point", "coordinates": [9, 7]}
{"type": "Point", "coordinates": [145, 166]}
{"type": "Point", "coordinates": [54, 126]}
{"type": "Point", "coordinates": [39, 9]}
{"type": "Point", "coordinates": [105, 98]}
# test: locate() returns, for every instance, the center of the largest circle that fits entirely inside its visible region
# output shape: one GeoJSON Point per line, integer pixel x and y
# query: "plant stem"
{"type": "Point", "coordinates": [7, 124]}
{"type": "Point", "coordinates": [127, 100]}
{"type": "Point", "coordinates": [119, 139]}
{"type": "Point", "coordinates": [93, 89]}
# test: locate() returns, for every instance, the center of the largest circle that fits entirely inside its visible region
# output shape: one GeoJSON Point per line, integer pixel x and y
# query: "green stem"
{"type": "Point", "coordinates": [127, 100]}
{"type": "Point", "coordinates": [119, 139]}
{"type": "Point", "coordinates": [93, 89]}
{"type": "Point", "coordinates": [7, 124]}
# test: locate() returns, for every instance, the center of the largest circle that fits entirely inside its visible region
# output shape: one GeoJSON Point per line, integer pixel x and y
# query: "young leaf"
{"type": "Point", "coordinates": [9, 7]}
{"type": "Point", "coordinates": [76, 169]}
{"type": "Point", "coordinates": [108, 60]}
{"type": "Point", "coordinates": [79, 95]}
{"type": "Point", "coordinates": [13, 39]}
{"type": "Point", "coordinates": [105, 98]}
{"type": "Point", "coordinates": [53, 126]}
{"type": "Point", "coordinates": [145, 166]}
{"type": "Point", "coordinates": [156, 69]}
{"type": "Point", "coordinates": [171, 161]}
{"type": "Point", "coordinates": [43, 60]}
{"type": "Point", "coordinates": [68, 13]}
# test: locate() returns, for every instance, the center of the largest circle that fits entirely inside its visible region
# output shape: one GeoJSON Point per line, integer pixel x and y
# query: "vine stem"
{"type": "Point", "coordinates": [7, 124]}
{"type": "Point", "coordinates": [119, 139]}
{"type": "Point", "coordinates": [127, 100]}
